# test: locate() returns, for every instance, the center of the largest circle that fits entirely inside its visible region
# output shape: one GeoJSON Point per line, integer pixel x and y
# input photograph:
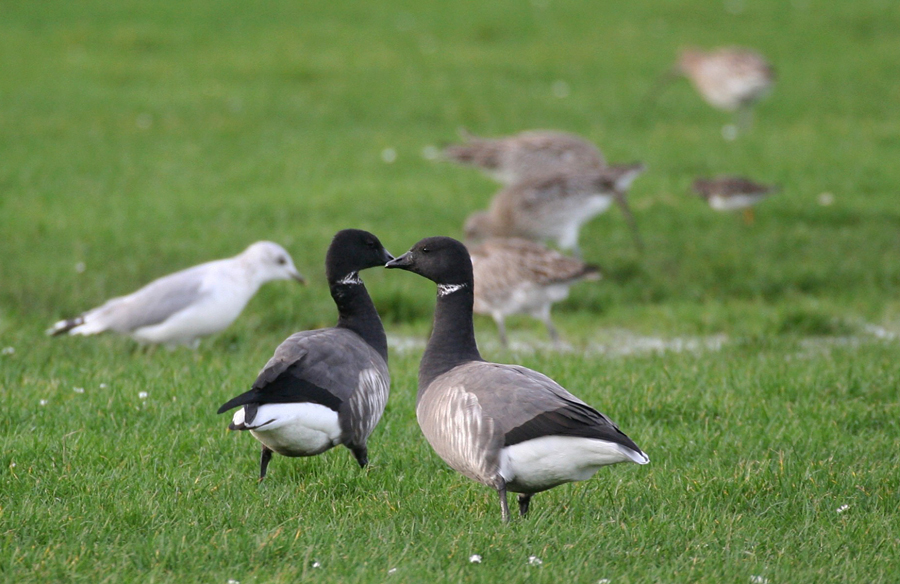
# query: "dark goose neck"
{"type": "Point", "coordinates": [356, 312]}
{"type": "Point", "coordinates": [452, 341]}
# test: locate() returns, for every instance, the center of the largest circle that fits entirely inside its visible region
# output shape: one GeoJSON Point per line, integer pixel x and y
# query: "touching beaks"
{"type": "Point", "coordinates": [401, 262]}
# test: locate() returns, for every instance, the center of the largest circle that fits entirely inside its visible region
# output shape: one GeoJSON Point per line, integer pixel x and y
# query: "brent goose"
{"type": "Point", "coordinates": [510, 159]}
{"type": "Point", "coordinates": [516, 276]}
{"type": "Point", "coordinates": [180, 308]}
{"type": "Point", "coordinates": [329, 386]}
{"type": "Point", "coordinates": [505, 426]}
{"type": "Point", "coordinates": [727, 78]}
{"type": "Point", "coordinates": [555, 206]}
{"type": "Point", "coordinates": [733, 193]}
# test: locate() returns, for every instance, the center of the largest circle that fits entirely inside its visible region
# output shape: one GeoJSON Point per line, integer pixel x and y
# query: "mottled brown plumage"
{"type": "Point", "coordinates": [515, 276]}
{"type": "Point", "coordinates": [554, 207]}
{"type": "Point", "coordinates": [510, 159]}
{"type": "Point", "coordinates": [728, 78]}
{"type": "Point", "coordinates": [732, 193]}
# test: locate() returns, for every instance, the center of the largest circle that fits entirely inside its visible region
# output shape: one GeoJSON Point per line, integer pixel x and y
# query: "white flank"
{"type": "Point", "coordinates": [367, 403]}
{"type": "Point", "coordinates": [444, 289]}
{"type": "Point", "coordinates": [457, 429]}
{"type": "Point", "coordinates": [734, 203]}
{"type": "Point", "coordinates": [295, 429]}
{"type": "Point", "coordinates": [542, 463]}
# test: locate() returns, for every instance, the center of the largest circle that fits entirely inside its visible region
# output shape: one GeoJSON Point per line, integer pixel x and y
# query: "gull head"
{"type": "Point", "coordinates": [271, 262]}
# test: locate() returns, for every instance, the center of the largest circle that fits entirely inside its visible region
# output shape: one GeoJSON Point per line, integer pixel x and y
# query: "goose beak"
{"type": "Point", "coordinates": [386, 256]}
{"type": "Point", "coordinates": [403, 262]}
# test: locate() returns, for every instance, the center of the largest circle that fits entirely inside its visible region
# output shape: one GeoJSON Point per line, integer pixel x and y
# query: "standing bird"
{"type": "Point", "coordinates": [516, 276]}
{"type": "Point", "coordinates": [329, 386]}
{"type": "Point", "coordinates": [554, 207]}
{"type": "Point", "coordinates": [727, 78]}
{"type": "Point", "coordinates": [732, 193]}
{"type": "Point", "coordinates": [180, 308]}
{"type": "Point", "coordinates": [505, 426]}
{"type": "Point", "coordinates": [511, 159]}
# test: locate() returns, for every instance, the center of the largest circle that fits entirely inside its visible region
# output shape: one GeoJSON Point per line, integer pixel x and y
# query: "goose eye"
{"type": "Point", "coordinates": [371, 244]}
{"type": "Point", "coordinates": [425, 250]}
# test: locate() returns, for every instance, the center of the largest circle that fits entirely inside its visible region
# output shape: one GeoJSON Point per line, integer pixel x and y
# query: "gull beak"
{"type": "Point", "coordinates": [299, 277]}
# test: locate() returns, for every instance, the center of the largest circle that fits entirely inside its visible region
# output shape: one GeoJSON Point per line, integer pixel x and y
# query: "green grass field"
{"type": "Point", "coordinates": [139, 138]}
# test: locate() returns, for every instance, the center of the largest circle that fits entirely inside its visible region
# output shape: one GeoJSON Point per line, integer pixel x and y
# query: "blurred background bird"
{"type": "Point", "coordinates": [554, 207]}
{"type": "Point", "coordinates": [732, 79]}
{"type": "Point", "coordinates": [516, 276]}
{"type": "Point", "coordinates": [511, 159]}
{"type": "Point", "coordinates": [733, 193]}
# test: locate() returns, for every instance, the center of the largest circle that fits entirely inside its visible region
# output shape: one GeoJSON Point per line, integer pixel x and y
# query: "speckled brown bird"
{"type": "Point", "coordinates": [733, 193]}
{"type": "Point", "coordinates": [554, 207]}
{"type": "Point", "coordinates": [510, 159]}
{"type": "Point", "coordinates": [727, 78]}
{"type": "Point", "coordinates": [516, 276]}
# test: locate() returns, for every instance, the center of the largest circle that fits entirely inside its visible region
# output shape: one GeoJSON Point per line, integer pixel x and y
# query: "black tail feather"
{"type": "Point", "coordinates": [64, 326]}
{"type": "Point", "coordinates": [241, 400]}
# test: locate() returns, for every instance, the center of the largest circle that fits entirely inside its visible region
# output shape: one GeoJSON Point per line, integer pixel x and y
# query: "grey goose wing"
{"type": "Point", "coordinates": [321, 366]}
{"type": "Point", "coordinates": [526, 405]}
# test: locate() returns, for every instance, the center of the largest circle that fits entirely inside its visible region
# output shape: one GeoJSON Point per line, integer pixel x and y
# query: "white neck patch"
{"type": "Point", "coordinates": [351, 278]}
{"type": "Point", "coordinates": [444, 289]}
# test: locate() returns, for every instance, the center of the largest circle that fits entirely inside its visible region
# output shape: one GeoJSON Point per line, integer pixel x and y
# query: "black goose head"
{"type": "Point", "coordinates": [353, 250]}
{"type": "Point", "coordinates": [443, 260]}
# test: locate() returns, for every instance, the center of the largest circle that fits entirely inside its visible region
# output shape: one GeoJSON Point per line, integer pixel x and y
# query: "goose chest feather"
{"type": "Point", "coordinates": [505, 426]}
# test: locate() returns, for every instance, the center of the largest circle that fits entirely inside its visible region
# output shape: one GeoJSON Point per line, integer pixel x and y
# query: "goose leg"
{"type": "Point", "coordinates": [504, 505]}
{"type": "Point", "coordinates": [362, 455]}
{"type": "Point", "coordinates": [264, 459]}
{"type": "Point", "coordinates": [524, 501]}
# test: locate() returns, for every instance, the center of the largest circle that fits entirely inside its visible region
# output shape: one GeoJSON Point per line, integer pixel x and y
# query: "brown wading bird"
{"type": "Point", "coordinates": [510, 159]}
{"type": "Point", "coordinates": [727, 78]}
{"type": "Point", "coordinates": [733, 193]}
{"type": "Point", "coordinates": [555, 206]}
{"type": "Point", "coordinates": [515, 276]}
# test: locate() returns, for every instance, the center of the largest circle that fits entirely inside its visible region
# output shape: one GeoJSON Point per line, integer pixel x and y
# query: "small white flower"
{"type": "Point", "coordinates": [12, 465]}
{"type": "Point", "coordinates": [825, 199]}
{"type": "Point", "coordinates": [729, 132]}
{"type": "Point", "coordinates": [80, 267]}
{"type": "Point", "coordinates": [475, 559]}
{"type": "Point", "coordinates": [430, 152]}
{"type": "Point", "coordinates": [389, 155]}
{"type": "Point", "coordinates": [843, 508]}
{"type": "Point", "coordinates": [392, 570]}
{"type": "Point", "coordinates": [78, 389]}
{"type": "Point", "coordinates": [43, 402]}
{"type": "Point", "coordinates": [233, 581]}
{"type": "Point", "coordinates": [560, 89]}
{"type": "Point", "coordinates": [103, 386]}
{"type": "Point", "coordinates": [142, 395]}
{"type": "Point", "coordinates": [8, 350]}
{"type": "Point", "coordinates": [534, 561]}
{"type": "Point", "coordinates": [604, 581]}
{"type": "Point", "coordinates": [316, 565]}
{"type": "Point", "coordinates": [759, 580]}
